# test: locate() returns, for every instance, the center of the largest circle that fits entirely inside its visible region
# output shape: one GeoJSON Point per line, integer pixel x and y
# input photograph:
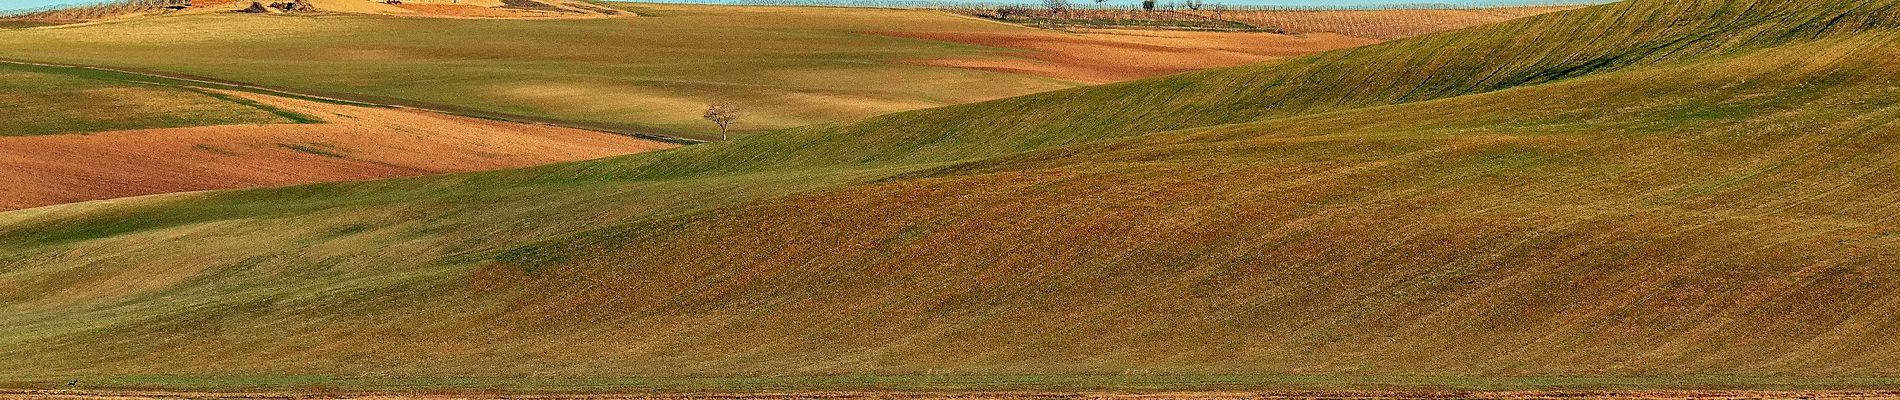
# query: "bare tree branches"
{"type": "Point", "coordinates": [723, 114]}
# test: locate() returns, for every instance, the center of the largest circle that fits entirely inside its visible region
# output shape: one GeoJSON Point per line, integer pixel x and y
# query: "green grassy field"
{"type": "Point", "coordinates": [42, 101]}
{"type": "Point", "coordinates": [788, 66]}
{"type": "Point", "coordinates": [1653, 194]}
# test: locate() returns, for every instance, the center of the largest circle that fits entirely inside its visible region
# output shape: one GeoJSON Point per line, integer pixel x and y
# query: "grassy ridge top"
{"type": "Point", "coordinates": [1513, 54]}
{"type": "Point", "coordinates": [1652, 193]}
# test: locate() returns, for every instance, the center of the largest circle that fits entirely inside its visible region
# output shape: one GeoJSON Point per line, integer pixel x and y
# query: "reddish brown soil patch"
{"type": "Point", "coordinates": [463, 10]}
{"type": "Point", "coordinates": [1112, 55]}
{"type": "Point", "coordinates": [356, 144]}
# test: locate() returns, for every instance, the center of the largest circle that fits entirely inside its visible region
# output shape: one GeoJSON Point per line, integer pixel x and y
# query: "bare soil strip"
{"type": "Point", "coordinates": [354, 143]}
{"type": "Point", "coordinates": [1266, 395]}
{"type": "Point", "coordinates": [1113, 55]}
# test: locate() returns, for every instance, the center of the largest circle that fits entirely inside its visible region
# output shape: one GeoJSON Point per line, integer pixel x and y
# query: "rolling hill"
{"type": "Point", "coordinates": [78, 134]}
{"type": "Point", "coordinates": [652, 73]}
{"type": "Point", "coordinates": [1652, 193]}
{"type": "Point", "coordinates": [353, 143]}
{"type": "Point", "coordinates": [557, 67]}
{"type": "Point", "coordinates": [39, 101]}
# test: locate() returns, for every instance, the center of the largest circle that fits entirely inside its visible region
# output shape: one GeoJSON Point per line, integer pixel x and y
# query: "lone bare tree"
{"type": "Point", "coordinates": [723, 114]}
{"type": "Point", "coordinates": [1056, 6]}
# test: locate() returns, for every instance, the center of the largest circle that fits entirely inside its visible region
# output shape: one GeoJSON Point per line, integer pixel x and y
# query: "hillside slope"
{"type": "Point", "coordinates": [344, 143]}
{"type": "Point", "coordinates": [1635, 231]}
{"type": "Point", "coordinates": [790, 66]}
{"type": "Point", "coordinates": [1652, 193]}
{"type": "Point", "coordinates": [77, 134]}
{"type": "Point", "coordinates": [39, 101]}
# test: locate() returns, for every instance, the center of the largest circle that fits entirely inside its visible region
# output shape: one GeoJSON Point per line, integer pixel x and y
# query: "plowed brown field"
{"type": "Point", "coordinates": [1112, 55]}
{"type": "Point", "coordinates": [356, 143]}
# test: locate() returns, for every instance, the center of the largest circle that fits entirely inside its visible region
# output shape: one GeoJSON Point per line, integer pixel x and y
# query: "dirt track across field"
{"type": "Point", "coordinates": [1268, 395]}
{"type": "Point", "coordinates": [353, 143]}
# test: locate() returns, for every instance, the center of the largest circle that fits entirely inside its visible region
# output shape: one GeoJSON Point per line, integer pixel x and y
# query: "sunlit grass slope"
{"type": "Point", "coordinates": [41, 101]}
{"type": "Point", "coordinates": [1654, 193]}
{"type": "Point", "coordinates": [787, 66]}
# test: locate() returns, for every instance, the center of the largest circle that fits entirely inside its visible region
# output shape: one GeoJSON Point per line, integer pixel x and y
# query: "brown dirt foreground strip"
{"type": "Point", "coordinates": [354, 143]}
{"type": "Point", "coordinates": [1113, 55]}
{"type": "Point", "coordinates": [1367, 395]}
